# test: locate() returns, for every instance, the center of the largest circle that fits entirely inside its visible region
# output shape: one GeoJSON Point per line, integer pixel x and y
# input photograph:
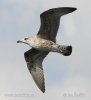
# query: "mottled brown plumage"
{"type": "Point", "coordinates": [45, 42]}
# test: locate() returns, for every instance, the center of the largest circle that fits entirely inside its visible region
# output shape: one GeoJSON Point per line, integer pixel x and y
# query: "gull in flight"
{"type": "Point", "coordinates": [45, 42]}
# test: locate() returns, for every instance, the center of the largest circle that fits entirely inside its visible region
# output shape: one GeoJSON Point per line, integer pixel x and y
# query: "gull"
{"type": "Point", "coordinates": [45, 42]}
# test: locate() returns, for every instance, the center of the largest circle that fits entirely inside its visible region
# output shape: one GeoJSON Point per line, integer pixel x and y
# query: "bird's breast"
{"type": "Point", "coordinates": [41, 44]}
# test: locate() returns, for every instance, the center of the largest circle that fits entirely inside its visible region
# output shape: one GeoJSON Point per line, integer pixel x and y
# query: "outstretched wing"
{"type": "Point", "coordinates": [34, 60]}
{"type": "Point", "coordinates": [50, 20]}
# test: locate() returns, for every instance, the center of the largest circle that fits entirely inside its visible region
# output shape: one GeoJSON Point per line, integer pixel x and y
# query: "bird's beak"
{"type": "Point", "coordinates": [19, 41]}
{"type": "Point", "coordinates": [22, 41]}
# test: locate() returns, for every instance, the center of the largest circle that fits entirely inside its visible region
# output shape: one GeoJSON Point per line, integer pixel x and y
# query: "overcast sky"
{"type": "Point", "coordinates": [66, 77]}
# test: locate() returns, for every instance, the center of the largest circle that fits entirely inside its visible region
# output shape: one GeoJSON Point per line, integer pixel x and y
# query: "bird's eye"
{"type": "Point", "coordinates": [25, 38]}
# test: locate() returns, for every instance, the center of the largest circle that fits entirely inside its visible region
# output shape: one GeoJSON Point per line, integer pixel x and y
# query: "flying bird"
{"type": "Point", "coordinates": [45, 42]}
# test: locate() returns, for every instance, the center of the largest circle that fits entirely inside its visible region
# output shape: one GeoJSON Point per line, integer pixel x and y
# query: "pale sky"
{"type": "Point", "coordinates": [66, 77]}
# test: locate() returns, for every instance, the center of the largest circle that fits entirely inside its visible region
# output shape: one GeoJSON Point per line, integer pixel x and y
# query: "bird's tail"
{"type": "Point", "coordinates": [65, 50]}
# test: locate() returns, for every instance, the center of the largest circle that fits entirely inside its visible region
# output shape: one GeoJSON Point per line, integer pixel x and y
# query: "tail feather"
{"type": "Point", "coordinates": [65, 50]}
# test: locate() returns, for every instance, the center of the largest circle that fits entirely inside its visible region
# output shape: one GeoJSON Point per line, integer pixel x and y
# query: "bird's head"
{"type": "Point", "coordinates": [24, 40]}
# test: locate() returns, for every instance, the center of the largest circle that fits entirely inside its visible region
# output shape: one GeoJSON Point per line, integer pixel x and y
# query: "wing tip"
{"type": "Point", "coordinates": [73, 8]}
{"type": "Point", "coordinates": [67, 10]}
{"type": "Point", "coordinates": [64, 10]}
{"type": "Point", "coordinates": [43, 90]}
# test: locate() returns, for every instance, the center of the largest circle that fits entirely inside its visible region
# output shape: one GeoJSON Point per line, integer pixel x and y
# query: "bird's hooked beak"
{"type": "Point", "coordinates": [18, 41]}
{"type": "Point", "coordinates": [21, 41]}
